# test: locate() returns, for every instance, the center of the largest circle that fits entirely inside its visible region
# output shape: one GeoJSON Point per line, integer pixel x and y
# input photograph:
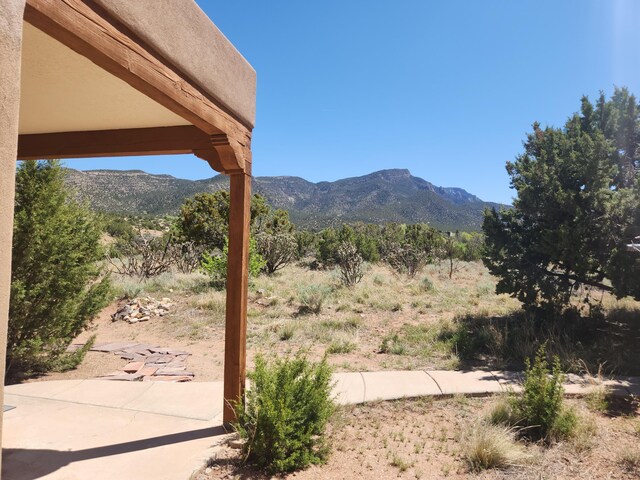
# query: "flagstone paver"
{"type": "Point", "coordinates": [147, 362]}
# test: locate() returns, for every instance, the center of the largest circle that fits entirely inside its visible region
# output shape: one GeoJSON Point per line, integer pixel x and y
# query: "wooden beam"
{"type": "Point", "coordinates": [88, 30]}
{"type": "Point", "coordinates": [237, 290]}
{"type": "Point", "coordinates": [113, 143]}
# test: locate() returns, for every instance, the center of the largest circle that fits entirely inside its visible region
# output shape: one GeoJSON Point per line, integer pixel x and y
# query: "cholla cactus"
{"type": "Point", "coordinates": [350, 263]}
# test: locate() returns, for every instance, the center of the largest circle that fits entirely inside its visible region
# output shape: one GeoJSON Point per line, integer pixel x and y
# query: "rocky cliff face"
{"type": "Point", "coordinates": [384, 196]}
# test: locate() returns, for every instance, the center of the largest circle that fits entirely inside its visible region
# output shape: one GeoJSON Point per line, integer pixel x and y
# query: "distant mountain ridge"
{"type": "Point", "coordinates": [384, 196]}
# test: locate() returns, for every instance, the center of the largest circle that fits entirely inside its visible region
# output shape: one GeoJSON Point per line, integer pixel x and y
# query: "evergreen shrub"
{"type": "Point", "coordinates": [286, 413]}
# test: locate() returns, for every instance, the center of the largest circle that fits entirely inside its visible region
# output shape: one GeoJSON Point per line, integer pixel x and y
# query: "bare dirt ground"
{"type": "Point", "coordinates": [387, 322]}
{"type": "Point", "coordinates": [350, 325]}
{"type": "Point", "coordinates": [424, 439]}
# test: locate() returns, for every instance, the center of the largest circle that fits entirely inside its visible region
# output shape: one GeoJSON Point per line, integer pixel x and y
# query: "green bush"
{"type": "Point", "coordinates": [539, 412]}
{"type": "Point", "coordinates": [57, 286]}
{"type": "Point", "coordinates": [541, 403]}
{"type": "Point", "coordinates": [204, 218]}
{"type": "Point", "coordinates": [117, 226]}
{"type": "Point", "coordinates": [286, 413]}
{"type": "Point", "coordinates": [277, 249]}
{"type": "Point", "coordinates": [564, 425]}
{"type": "Point", "coordinates": [216, 265]}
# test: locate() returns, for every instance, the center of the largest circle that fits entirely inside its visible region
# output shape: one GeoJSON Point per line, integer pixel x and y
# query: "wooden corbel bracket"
{"type": "Point", "coordinates": [227, 155]}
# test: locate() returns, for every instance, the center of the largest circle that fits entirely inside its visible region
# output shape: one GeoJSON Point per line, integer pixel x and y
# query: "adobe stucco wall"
{"type": "Point", "coordinates": [181, 32]}
{"type": "Point", "coordinates": [11, 12]}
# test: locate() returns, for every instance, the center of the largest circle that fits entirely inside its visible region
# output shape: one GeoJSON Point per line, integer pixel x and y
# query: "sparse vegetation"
{"type": "Point", "coordinates": [341, 346]}
{"type": "Point", "coordinates": [437, 340]}
{"type": "Point", "coordinates": [629, 458]}
{"type": "Point", "coordinates": [427, 438]}
{"type": "Point", "coordinates": [598, 398]}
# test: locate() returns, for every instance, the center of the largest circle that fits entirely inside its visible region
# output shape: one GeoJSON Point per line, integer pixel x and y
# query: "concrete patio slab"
{"type": "Point", "coordinates": [93, 392]}
{"type": "Point", "coordinates": [349, 388]}
{"type": "Point", "coordinates": [398, 384]}
{"type": "Point", "coordinates": [578, 385]}
{"type": "Point", "coordinates": [619, 389]}
{"type": "Point", "coordinates": [48, 389]}
{"type": "Point", "coordinates": [54, 439]}
{"type": "Point", "coordinates": [196, 400]}
{"type": "Point", "coordinates": [476, 382]}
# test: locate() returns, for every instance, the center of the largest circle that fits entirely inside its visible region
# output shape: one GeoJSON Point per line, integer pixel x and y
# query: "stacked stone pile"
{"type": "Point", "coordinates": [138, 310]}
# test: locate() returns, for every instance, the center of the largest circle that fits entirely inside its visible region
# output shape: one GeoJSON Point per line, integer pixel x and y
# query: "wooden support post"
{"type": "Point", "coordinates": [237, 290]}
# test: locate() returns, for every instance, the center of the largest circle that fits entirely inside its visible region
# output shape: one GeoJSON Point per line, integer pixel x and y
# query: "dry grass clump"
{"type": "Point", "coordinates": [213, 302]}
{"type": "Point", "coordinates": [312, 298]}
{"type": "Point", "coordinates": [167, 283]}
{"type": "Point", "coordinates": [441, 339]}
{"type": "Point", "coordinates": [488, 446]}
{"type": "Point", "coordinates": [341, 346]}
{"type": "Point", "coordinates": [502, 412]}
{"type": "Point", "coordinates": [430, 321]}
{"type": "Point", "coordinates": [598, 398]}
{"type": "Point", "coordinates": [629, 459]}
{"type": "Point", "coordinates": [584, 435]}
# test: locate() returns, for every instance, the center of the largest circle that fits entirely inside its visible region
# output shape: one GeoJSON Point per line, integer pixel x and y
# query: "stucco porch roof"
{"type": "Point", "coordinates": [64, 91]}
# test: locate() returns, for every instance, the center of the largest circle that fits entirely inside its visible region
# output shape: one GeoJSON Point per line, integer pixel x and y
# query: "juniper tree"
{"type": "Point", "coordinates": [56, 281]}
{"type": "Point", "coordinates": [204, 218]}
{"type": "Point", "coordinates": [576, 206]}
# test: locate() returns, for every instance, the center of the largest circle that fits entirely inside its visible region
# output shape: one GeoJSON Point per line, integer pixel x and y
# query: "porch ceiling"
{"type": "Point", "coordinates": [63, 91]}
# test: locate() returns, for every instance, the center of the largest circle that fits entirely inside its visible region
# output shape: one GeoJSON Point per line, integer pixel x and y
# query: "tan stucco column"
{"type": "Point", "coordinates": [11, 12]}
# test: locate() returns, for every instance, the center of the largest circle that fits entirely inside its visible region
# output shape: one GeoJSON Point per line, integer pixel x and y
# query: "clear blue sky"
{"type": "Point", "coordinates": [447, 89]}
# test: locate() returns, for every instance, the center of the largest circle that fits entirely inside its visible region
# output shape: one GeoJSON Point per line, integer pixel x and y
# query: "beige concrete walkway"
{"type": "Point", "coordinates": [98, 429]}
{"type": "Point", "coordinates": [360, 387]}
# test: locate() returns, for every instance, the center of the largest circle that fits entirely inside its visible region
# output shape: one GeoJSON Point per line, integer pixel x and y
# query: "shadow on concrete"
{"type": "Point", "coordinates": [30, 464]}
